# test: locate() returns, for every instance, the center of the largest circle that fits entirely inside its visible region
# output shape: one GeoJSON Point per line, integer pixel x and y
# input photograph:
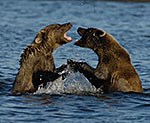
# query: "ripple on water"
{"type": "Point", "coordinates": [127, 22]}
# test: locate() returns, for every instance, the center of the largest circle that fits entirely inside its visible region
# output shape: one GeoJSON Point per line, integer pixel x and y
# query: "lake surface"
{"type": "Point", "coordinates": [128, 22]}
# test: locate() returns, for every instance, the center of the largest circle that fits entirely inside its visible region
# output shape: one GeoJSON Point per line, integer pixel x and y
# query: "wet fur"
{"type": "Point", "coordinates": [114, 71]}
{"type": "Point", "coordinates": [37, 59]}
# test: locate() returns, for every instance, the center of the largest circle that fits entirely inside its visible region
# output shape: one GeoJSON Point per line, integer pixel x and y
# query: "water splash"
{"type": "Point", "coordinates": [74, 83]}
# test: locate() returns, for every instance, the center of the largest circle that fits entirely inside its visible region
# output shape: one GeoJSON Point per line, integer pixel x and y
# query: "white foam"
{"type": "Point", "coordinates": [74, 83]}
{"type": "Point", "coordinates": [55, 87]}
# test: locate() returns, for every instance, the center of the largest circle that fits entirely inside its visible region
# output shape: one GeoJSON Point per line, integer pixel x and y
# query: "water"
{"type": "Point", "coordinates": [73, 83]}
{"type": "Point", "coordinates": [19, 23]}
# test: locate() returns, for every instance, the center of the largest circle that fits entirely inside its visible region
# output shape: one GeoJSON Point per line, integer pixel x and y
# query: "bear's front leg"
{"type": "Point", "coordinates": [88, 72]}
{"type": "Point", "coordinates": [61, 68]}
{"type": "Point", "coordinates": [43, 77]}
{"type": "Point", "coordinates": [91, 74]}
{"type": "Point", "coordinates": [84, 67]}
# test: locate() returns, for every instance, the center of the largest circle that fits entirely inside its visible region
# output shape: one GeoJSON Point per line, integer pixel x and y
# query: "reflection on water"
{"type": "Point", "coordinates": [128, 22]}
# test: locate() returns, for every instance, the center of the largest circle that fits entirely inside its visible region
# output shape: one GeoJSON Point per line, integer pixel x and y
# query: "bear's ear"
{"type": "Point", "coordinates": [99, 33]}
{"type": "Point", "coordinates": [81, 31]}
{"type": "Point", "coordinates": [40, 37]}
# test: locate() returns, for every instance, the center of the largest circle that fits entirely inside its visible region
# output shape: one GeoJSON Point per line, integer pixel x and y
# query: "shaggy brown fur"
{"type": "Point", "coordinates": [38, 57]}
{"type": "Point", "coordinates": [114, 71]}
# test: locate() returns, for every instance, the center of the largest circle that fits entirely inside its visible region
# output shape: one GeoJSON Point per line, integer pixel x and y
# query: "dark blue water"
{"type": "Point", "coordinates": [20, 20]}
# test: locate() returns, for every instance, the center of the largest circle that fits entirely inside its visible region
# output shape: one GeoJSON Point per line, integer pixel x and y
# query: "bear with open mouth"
{"type": "Point", "coordinates": [37, 58]}
{"type": "Point", "coordinates": [114, 71]}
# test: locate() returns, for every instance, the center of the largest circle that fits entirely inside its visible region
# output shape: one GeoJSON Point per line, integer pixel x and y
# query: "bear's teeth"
{"type": "Point", "coordinates": [67, 37]}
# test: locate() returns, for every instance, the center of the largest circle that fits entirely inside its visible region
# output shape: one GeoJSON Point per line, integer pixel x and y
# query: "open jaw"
{"type": "Point", "coordinates": [68, 38]}
{"type": "Point", "coordinates": [67, 27]}
{"type": "Point", "coordinates": [79, 41]}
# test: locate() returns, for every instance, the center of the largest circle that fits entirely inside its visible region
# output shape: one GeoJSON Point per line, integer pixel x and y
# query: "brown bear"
{"type": "Point", "coordinates": [114, 71]}
{"type": "Point", "coordinates": [37, 58]}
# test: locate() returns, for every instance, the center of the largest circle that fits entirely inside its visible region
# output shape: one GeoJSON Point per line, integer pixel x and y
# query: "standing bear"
{"type": "Point", "coordinates": [114, 71]}
{"type": "Point", "coordinates": [37, 58]}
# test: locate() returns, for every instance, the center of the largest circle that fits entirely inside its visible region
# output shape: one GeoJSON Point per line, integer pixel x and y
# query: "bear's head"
{"type": "Point", "coordinates": [102, 43]}
{"type": "Point", "coordinates": [91, 38]}
{"type": "Point", "coordinates": [53, 35]}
